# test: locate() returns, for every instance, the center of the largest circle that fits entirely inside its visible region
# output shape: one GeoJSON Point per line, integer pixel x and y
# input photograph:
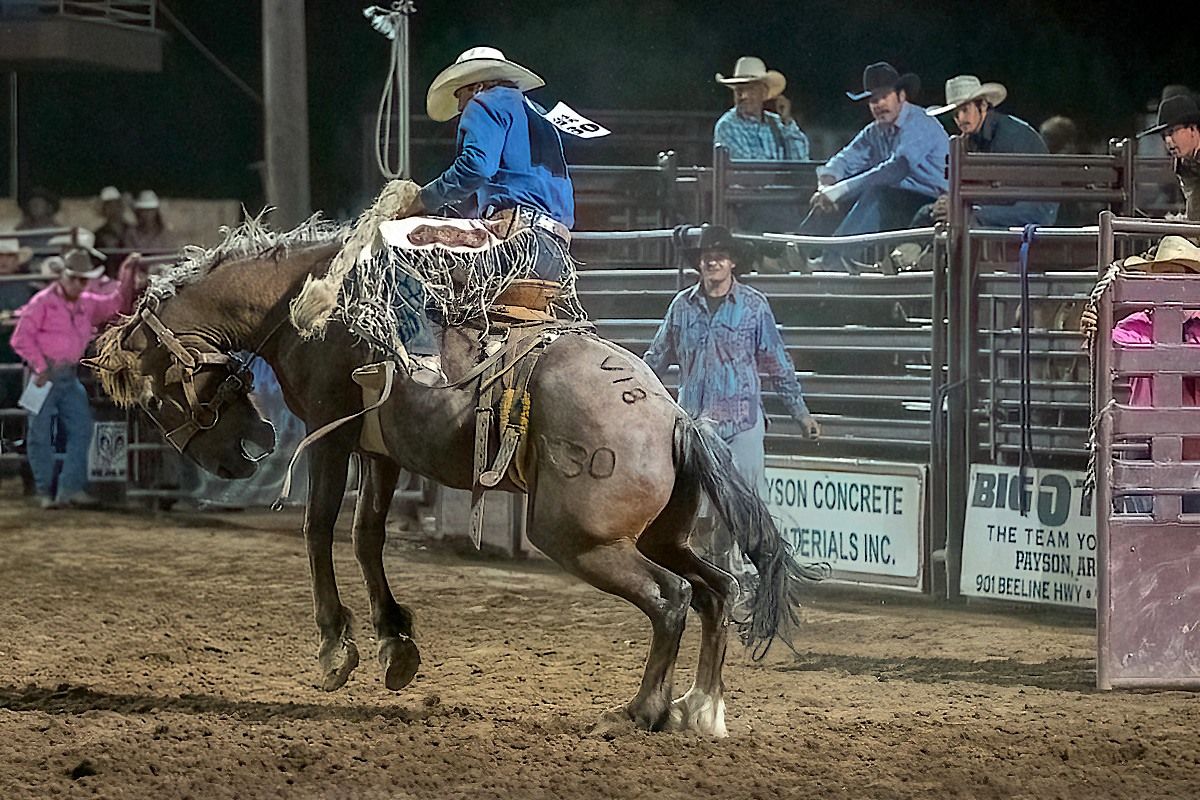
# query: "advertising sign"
{"type": "Point", "coordinates": [866, 519]}
{"type": "Point", "coordinates": [1046, 554]}
{"type": "Point", "coordinates": [107, 457]}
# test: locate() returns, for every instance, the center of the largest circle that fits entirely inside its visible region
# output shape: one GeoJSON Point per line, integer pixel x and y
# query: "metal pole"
{"type": "Point", "coordinates": [402, 107]}
{"type": "Point", "coordinates": [285, 107]}
{"type": "Point", "coordinates": [13, 160]}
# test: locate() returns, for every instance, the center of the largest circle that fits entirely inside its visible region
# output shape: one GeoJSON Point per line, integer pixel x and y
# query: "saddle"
{"type": "Point", "coordinates": [520, 328]}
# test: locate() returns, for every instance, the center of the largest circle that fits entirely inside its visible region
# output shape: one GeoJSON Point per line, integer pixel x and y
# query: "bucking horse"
{"type": "Point", "coordinates": [613, 486]}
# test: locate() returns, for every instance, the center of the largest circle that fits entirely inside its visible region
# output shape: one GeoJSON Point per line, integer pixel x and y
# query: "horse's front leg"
{"type": "Point", "coordinates": [338, 654]}
{"type": "Point", "coordinates": [398, 653]}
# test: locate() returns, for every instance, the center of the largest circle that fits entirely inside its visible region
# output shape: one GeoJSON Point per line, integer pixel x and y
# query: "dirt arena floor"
{"type": "Point", "coordinates": [175, 657]}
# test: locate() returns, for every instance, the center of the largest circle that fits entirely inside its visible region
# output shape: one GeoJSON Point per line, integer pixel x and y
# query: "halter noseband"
{"type": "Point", "coordinates": [187, 361]}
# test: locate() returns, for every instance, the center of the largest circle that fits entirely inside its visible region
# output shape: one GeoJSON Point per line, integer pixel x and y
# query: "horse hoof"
{"type": "Point", "coordinates": [338, 665]}
{"type": "Point", "coordinates": [612, 724]}
{"type": "Point", "coordinates": [697, 712]}
{"type": "Point", "coordinates": [400, 659]}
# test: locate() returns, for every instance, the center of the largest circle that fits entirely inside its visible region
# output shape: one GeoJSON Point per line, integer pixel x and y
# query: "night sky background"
{"type": "Point", "coordinates": [188, 132]}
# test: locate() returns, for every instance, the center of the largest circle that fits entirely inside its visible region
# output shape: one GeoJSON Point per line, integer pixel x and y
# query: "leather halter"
{"type": "Point", "coordinates": [187, 362]}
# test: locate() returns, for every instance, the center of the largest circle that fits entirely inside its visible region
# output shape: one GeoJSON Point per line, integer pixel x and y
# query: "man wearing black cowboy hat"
{"type": "Point", "coordinates": [723, 336]}
{"type": "Point", "coordinates": [1179, 125]}
{"type": "Point", "coordinates": [892, 168]}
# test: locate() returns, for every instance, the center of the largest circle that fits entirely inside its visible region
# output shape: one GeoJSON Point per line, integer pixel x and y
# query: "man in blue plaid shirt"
{"type": "Point", "coordinates": [751, 133]}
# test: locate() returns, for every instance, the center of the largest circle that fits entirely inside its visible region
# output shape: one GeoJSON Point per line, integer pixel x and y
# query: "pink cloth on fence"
{"type": "Point", "coordinates": [1138, 329]}
{"type": "Point", "coordinates": [53, 328]}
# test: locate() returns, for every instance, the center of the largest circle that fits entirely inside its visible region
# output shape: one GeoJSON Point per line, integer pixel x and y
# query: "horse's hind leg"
{"type": "Point", "coordinates": [338, 655]}
{"type": "Point", "coordinates": [665, 542]}
{"type": "Point", "coordinates": [393, 622]}
{"type": "Point", "coordinates": [618, 568]}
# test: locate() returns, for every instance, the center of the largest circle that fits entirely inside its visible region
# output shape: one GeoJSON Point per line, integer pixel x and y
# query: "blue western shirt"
{"type": "Point", "coordinates": [765, 138]}
{"type": "Point", "coordinates": [720, 355]}
{"type": "Point", "coordinates": [910, 154]}
{"type": "Point", "coordinates": [509, 155]}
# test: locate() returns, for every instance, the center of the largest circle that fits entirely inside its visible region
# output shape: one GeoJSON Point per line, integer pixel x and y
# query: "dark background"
{"type": "Point", "coordinates": [188, 132]}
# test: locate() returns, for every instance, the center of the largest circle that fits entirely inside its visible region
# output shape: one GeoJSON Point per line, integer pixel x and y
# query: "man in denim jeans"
{"type": "Point", "coordinates": [52, 334]}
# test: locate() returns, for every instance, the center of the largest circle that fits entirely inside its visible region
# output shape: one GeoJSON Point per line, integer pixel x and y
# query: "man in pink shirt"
{"type": "Point", "coordinates": [54, 330]}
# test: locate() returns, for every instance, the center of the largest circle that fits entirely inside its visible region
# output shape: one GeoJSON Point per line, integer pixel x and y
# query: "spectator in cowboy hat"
{"type": "Point", "coordinates": [989, 130]}
{"type": "Point", "coordinates": [112, 208]}
{"type": "Point", "coordinates": [892, 168]}
{"type": "Point", "coordinates": [150, 233]}
{"type": "Point", "coordinates": [748, 130]}
{"type": "Point", "coordinates": [751, 133]}
{"type": "Point", "coordinates": [52, 334]}
{"type": "Point", "coordinates": [1178, 123]}
{"type": "Point", "coordinates": [723, 336]}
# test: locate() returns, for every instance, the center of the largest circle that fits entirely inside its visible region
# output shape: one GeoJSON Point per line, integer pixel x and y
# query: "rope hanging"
{"type": "Point", "coordinates": [393, 24]}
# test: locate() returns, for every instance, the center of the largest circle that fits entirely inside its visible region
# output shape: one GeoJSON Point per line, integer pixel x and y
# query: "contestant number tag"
{"type": "Point", "coordinates": [568, 120]}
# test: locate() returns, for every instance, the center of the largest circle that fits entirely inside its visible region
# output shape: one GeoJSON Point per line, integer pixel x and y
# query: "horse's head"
{"type": "Point", "coordinates": [196, 394]}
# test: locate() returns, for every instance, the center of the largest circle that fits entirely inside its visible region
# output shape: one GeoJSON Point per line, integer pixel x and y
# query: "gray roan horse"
{"type": "Point", "coordinates": [614, 486]}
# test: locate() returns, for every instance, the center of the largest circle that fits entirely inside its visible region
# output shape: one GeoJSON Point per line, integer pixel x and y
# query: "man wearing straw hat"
{"type": "Point", "coordinates": [510, 166]}
{"type": "Point", "coordinates": [51, 336]}
{"type": "Point", "coordinates": [748, 129]}
{"type": "Point", "coordinates": [989, 130]}
{"type": "Point", "coordinates": [752, 133]}
{"type": "Point", "coordinates": [1179, 125]}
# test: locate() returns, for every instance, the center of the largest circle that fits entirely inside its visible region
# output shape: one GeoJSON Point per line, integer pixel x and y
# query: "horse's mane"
{"type": "Point", "coordinates": [251, 239]}
{"type": "Point", "coordinates": [118, 367]}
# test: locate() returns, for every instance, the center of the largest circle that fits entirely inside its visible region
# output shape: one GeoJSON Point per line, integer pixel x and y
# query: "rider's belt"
{"type": "Point", "coordinates": [534, 219]}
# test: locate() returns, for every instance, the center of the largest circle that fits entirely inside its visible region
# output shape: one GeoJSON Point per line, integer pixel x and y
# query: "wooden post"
{"type": "Point", "coordinates": [285, 112]}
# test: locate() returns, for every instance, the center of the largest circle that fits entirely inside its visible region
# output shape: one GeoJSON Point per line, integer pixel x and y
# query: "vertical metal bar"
{"type": "Point", "coordinates": [957, 413]}
{"type": "Point", "coordinates": [1102, 499]}
{"type": "Point", "coordinates": [937, 380]}
{"type": "Point", "coordinates": [720, 176]}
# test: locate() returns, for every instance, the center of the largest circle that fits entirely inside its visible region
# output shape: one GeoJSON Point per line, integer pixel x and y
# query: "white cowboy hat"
{"type": "Point", "coordinates": [78, 264]}
{"type": "Point", "coordinates": [962, 89]}
{"type": "Point", "coordinates": [10, 247]}
{"type": "Point", "coordinates": [474, 65]}
{"type": "Point", "coordinates": [749, 69]}
{"type": "Point", "coordinates": [109, 193]}
{"type": "Point", "coordinates": [146, 199]}
{"type": "Point", "coordinates": [1173, 254]}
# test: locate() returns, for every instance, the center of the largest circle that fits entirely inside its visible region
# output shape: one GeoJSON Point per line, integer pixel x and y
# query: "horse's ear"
{"type": "Point", "coordinates": [96, 364]}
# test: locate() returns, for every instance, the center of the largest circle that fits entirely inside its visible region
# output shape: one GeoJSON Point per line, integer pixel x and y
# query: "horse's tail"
{"type": "Point", "coordinates": [702, 454]}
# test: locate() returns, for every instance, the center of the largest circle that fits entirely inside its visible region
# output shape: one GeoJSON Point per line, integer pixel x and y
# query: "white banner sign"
{"type": "Point", "coordinates": [859, 522]}
{"type": "Point", "coordinates": [1047, 555]}
{"type": "Point", "coordinates": [568, 120]}
{"type": "Point", "coordinates": [108, 453]}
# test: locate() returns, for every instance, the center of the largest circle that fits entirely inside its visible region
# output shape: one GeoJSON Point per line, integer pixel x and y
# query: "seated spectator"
{"type": "Point", "coordinates": [989, 130]}
{"type": "Point", "coordinates": [1178, 123]}
{"type": "Point", "coordinates": [39, 209]}
{"type": "Point", "coordinates": [1061, 135]}
{"type": "Point", "coordinates": [149, 233]}
{"type": "Point", "coordinates": [751, 132]}
{"type": "Point", "coordinates": [112, 207]}
{"type": "Point", "coordinates": [891, 169]}
{"type": "Point", "coordinates": [53, 332]}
